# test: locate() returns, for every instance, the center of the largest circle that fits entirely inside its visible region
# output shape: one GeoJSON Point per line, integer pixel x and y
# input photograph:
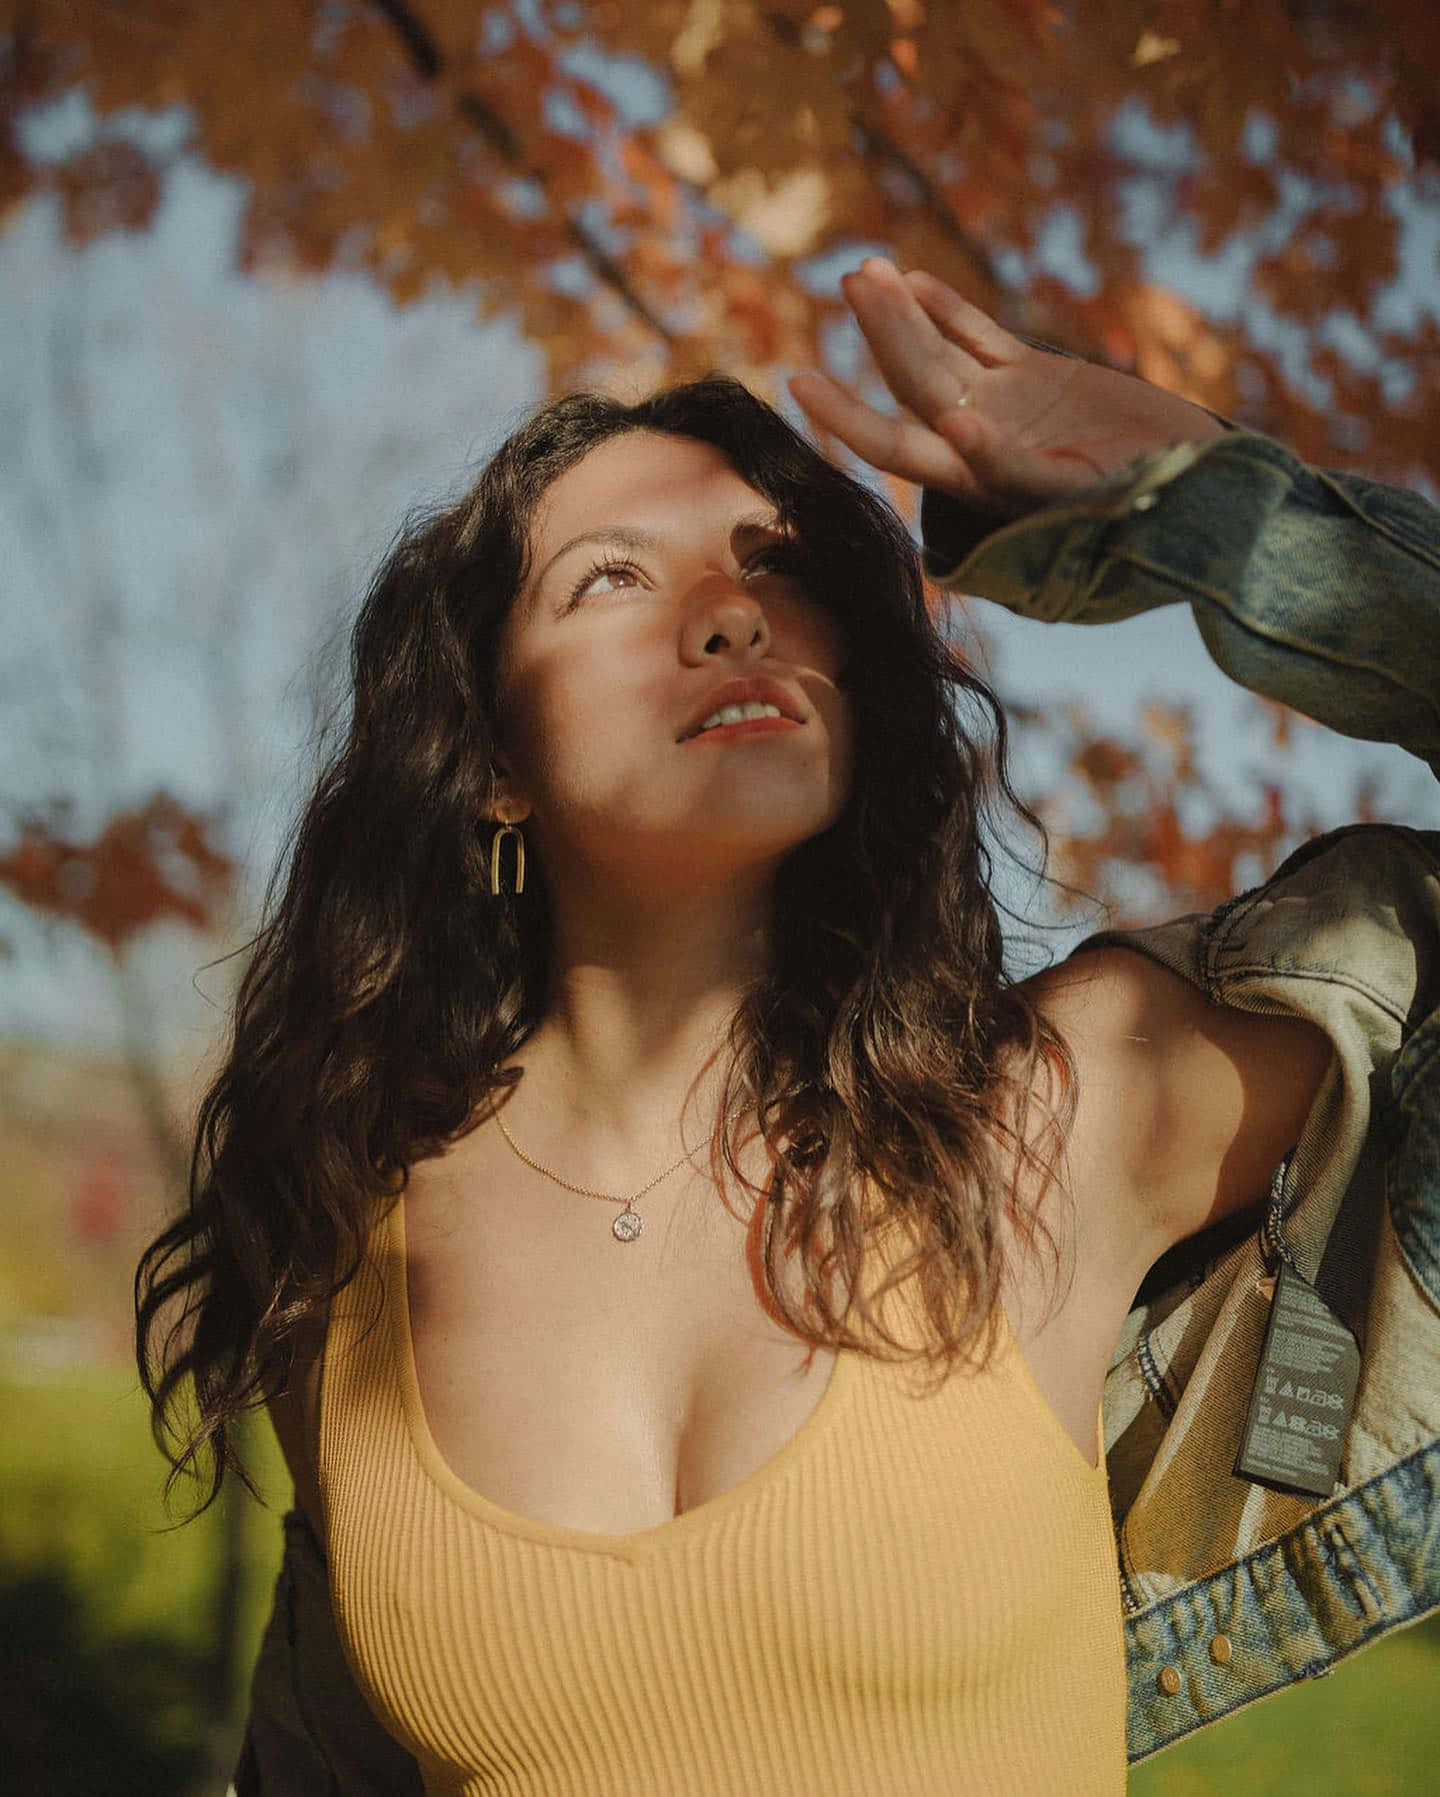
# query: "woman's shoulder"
{"type": "Point", "coordinates": [1183, 1107]}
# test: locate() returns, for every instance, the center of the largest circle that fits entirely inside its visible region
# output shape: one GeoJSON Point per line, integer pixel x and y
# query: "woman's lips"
{"type": "Point", "coordinates": [746, 727]}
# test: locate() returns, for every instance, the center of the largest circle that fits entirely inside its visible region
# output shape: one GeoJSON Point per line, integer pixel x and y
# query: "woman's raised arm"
{"type": "Point", "coordinates": [1073, 493]}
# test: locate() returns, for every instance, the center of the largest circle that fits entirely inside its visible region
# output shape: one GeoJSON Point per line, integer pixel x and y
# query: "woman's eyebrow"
{"type": "Point", "coordinates": [620, 536]}
{"type": "Point", "coordinates": [628, 536]}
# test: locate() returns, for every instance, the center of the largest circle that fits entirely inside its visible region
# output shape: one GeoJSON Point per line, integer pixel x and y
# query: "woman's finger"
{"type": "Point", "coordinates": [963, 324]}
{"type": "Point", "coordinates": [898, 445]}
{"type": "Point", "coordinates": [922, 369]}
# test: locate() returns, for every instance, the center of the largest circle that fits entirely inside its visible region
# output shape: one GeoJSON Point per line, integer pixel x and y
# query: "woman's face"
{"type": "Point", "coordinates": [658, 598]}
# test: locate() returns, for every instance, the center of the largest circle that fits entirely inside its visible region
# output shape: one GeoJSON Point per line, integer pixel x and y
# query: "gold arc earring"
{"type": "Point", "coordinates": [495, 842]}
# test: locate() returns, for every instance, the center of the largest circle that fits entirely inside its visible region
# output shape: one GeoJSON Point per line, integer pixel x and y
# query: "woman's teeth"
{"type": "Point", "coordinates": [739, 714]}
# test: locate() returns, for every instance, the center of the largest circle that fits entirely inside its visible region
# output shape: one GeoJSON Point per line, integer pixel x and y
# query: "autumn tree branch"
{"type": "Point", "coordinates": [879, 145]}
{"type": "Point", "coordinates": [427, 61]}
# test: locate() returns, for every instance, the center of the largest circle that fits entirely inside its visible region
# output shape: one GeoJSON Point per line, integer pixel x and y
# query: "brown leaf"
{"type": "Point", "coordinates": [109, 187]}
{"type": "Point", "coordinates": [147, 865]}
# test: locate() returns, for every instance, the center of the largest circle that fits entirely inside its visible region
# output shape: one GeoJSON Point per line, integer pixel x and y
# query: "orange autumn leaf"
{"type": "Point", "coordinates": [1104, 763]}
{"type": "Point", "coordinates": [146, 866]}
{"type": "Point", "coordinates": [110, 187]}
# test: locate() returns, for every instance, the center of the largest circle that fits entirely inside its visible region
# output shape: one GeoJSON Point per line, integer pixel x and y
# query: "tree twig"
{"type": "Point", "coordinates": [877, 143]}
{"type": "Point", "coordinates": [428, 62]}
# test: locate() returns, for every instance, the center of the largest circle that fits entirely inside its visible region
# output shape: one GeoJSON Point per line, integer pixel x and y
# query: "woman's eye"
{"type": "Point", "coordinates": [782, 558]}
{"type": "Point", "coordinates": [594, 573]}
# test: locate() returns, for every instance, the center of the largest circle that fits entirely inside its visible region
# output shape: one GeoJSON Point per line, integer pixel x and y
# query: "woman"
{"type": "Point", "coordinates": [723, 956]}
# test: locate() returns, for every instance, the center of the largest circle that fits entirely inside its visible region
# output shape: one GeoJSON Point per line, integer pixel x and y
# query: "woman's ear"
{"type": "Point", "coordinates": [506, 804]}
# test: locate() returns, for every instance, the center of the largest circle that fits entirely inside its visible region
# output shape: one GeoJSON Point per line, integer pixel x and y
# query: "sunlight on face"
{"type": "Point", "coordinates": [618, 650]}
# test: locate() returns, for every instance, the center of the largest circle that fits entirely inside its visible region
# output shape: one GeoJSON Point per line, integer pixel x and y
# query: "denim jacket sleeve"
{"type": "Point", "coordinates": [1317, 588]}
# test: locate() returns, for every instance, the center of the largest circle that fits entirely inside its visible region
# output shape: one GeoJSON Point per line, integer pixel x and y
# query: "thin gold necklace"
{"type": "Point", "coordinates": [629, 1223]}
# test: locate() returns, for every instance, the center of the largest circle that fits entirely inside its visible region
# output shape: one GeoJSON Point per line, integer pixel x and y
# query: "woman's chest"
{"type": "Point", "coordinates": [900, 1552]}
{"type": "Point", "coordinates": [574, 1380]}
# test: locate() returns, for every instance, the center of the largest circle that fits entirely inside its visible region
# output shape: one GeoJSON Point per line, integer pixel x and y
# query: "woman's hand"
{"type": "Point", "coordinates": [984, 416]}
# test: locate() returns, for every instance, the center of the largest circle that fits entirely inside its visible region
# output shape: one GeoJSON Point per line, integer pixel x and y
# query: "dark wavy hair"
{"type": "Point", "coordinates": [885, 1049]}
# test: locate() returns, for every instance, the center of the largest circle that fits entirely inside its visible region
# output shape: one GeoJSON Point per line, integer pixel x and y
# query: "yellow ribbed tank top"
{"type": "Point", "coordinates": [918, 1595]}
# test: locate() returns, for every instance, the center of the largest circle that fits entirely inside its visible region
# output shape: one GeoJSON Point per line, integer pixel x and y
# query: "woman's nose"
{"type": "Point", "coordinates": [726, 622]}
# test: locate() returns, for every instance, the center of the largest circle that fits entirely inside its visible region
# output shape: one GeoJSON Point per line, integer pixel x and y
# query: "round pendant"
{"type": "Point", "coordinates": [627, 1225]}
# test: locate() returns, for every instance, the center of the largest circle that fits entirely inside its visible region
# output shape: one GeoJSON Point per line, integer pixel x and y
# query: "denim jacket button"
{"type": "Point", "coordinates": [1169, 1680]}
{"type": "Point", "coordinates": [1220, 1650]}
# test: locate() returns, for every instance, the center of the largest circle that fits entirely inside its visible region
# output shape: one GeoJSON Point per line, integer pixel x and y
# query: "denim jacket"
{"type": "Point", "coordinates": [1321, 590]}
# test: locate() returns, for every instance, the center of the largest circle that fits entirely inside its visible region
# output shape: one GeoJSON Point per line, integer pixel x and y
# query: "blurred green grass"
{"type": "Point", "coordinates": [80, 1501]}
{"type": "Point", "coordinates": [107, 1614]}
{"type": "Point", "coordinates": [1369, 1729]}
{"type": "Point", "coordinates": [80, 1488]}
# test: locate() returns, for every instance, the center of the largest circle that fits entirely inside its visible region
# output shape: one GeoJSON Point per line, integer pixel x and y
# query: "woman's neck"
{"type": "Point", "coordinates": [633, 1035]}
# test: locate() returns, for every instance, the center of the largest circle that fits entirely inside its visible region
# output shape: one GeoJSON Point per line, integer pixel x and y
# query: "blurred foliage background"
{"type": "Point", "coordinates": [273, 273]}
